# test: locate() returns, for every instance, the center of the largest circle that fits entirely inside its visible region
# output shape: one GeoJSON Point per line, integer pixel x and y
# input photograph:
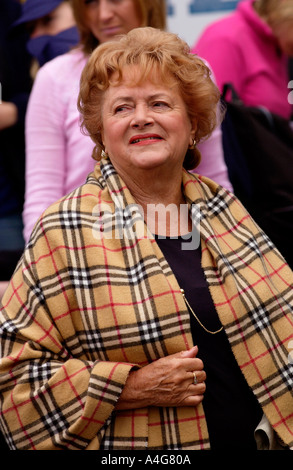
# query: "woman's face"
{"type": "Point", "coordinates": [60, 19]}
{"type": "Point", "coordinates": [107, 18]}
{"type": "Point", "coordinates": [145, 126]}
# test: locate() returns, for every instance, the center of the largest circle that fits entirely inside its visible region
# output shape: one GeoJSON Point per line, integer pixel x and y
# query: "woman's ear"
{"type": "Point", "coordinates": [192, 133]}
{"type": "Point", "coordinates": [103, 141]}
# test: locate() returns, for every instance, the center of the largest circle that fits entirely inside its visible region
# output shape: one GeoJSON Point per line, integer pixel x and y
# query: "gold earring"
{"type": "Point", "coordinates": [193, 145]}
{"type": "Point", "coordinates": [104, 154]}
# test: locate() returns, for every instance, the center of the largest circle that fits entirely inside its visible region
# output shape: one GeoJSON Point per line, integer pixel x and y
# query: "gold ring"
{"type": "Point", "coordinates": [194, 378]}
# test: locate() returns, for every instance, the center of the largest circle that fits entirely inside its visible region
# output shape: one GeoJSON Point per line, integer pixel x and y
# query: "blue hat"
{"type": "Point", "coordinates": [35, 9]}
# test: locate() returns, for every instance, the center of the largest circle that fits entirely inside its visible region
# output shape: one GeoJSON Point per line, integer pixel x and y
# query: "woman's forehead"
{"type": "Point", "coordinates": [133, 75]}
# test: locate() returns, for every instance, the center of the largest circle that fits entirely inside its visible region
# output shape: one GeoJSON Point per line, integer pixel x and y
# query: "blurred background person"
{"type": "Point", "coordinates": [251, 49]}
{"type": "Point", "coordinates": [58, 156]}
{"type": "Point", "coordinates": [51, 28]}
{"type": "Point", "coordinates": [15, 86]}
{"type": "Point", "coordinates": [32, 33]}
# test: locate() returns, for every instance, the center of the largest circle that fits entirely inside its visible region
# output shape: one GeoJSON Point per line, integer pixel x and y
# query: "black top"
{"type": "Point", "coordinates": [232, 411]}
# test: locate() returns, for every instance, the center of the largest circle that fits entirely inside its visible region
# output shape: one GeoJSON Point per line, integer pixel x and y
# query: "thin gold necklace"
{"type": "Point", "coordinates": [196, 317]}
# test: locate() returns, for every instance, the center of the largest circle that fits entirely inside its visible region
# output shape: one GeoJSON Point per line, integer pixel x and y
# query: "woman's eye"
{"type": "Point", "coordinates": [160, 105]}
{"type": "Point", "coordinates": [121, 109]}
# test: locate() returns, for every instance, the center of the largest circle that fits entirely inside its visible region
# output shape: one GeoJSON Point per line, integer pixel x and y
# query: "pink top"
{"type": "Point", "coordinates": [58, 155]}
{"type": "Point", "coordinates": [242, 49]}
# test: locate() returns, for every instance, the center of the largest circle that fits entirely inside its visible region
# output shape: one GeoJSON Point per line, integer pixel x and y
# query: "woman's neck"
{"type": "Point", "coordinates": [162, 201]}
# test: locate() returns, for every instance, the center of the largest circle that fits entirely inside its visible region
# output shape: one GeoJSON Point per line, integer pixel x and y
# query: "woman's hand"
{"type": "Point", "coordinates": [8, 115]}
{"type": "Point", "coordinates": [165, 382]}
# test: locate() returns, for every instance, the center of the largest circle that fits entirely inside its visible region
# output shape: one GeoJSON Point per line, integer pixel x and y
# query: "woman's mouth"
{"type": "Point", "coordinates": [111, 31]}
{"type": "Point", "coordinates": [145, 139]}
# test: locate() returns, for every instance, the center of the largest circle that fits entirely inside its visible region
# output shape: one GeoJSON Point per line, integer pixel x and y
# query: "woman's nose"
{"type": "Point", "coordinates": [37, 29]}
{"type": "Point", "coordinates": [105, 10]}
{"type": "Point", "coordinates": [141, 117]}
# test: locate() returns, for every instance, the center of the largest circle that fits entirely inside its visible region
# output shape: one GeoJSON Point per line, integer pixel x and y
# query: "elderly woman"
{"type": "Point", "coordinates": [120, 331]}
{"type": "Point", "coordinates": [58, 156]}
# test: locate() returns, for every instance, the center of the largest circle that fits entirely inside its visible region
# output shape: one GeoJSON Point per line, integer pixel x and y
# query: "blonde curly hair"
{"type": "Point", "coordinates": [152, 51]}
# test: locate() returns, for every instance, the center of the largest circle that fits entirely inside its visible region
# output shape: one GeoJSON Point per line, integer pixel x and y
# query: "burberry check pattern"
{"type": "Point", "coordinates": [82, 311]}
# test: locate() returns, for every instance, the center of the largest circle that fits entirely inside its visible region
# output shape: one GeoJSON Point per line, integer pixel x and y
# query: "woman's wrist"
{"type": "Point", "coordinates": [132, 395]}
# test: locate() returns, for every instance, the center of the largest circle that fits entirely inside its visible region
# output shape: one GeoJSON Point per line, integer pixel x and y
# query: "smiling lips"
{"type": "Point", "coordinates": [144, 139]}
{"type": "Point", "coordinates": [111, 30]}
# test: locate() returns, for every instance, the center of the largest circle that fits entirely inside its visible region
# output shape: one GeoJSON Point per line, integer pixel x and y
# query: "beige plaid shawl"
{"type": "Point", "coordinates": [84, 307]}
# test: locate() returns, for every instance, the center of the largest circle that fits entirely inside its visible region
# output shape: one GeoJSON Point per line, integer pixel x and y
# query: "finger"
{"type": "Point", "coordinates": [192, 400]}
{"type": "Point", "coordinates": [198, 389]}
{"type": "Point", "coordinates": [198, 377]}
{"type": "Point", "coordinates": [190, 352]}
{"type": "Point", "coordinates": [194, 365]}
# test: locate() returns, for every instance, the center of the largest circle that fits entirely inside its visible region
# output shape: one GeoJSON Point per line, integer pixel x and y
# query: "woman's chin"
{"type": "Point", "coordinates": [149, 161]}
